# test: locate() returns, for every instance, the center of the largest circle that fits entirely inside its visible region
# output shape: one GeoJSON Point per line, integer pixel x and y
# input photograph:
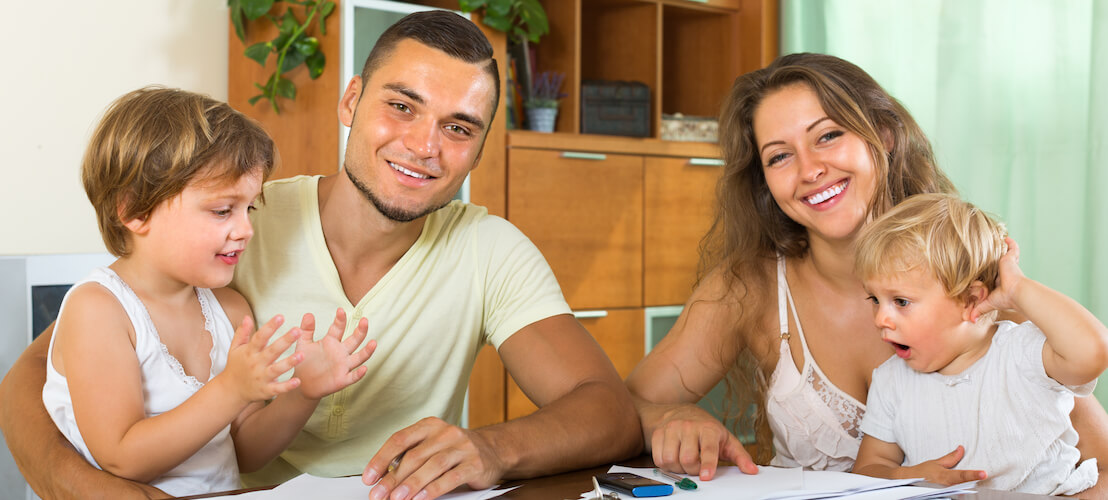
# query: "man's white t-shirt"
{"type": "Point", "coordinates": [470, 279]}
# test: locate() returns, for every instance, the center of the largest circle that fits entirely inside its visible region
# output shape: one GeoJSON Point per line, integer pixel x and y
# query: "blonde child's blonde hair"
{"type": "Point", "coordinates": [152, 142]}
{"type": "Point", "coordinates": [956, 241]}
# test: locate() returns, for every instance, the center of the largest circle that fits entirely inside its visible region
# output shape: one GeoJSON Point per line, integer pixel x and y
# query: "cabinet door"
{"type": "Point", "coordinates": [618, 331]}
{"type": "Point", "coordinates": [679, 208]}
{"type": "Point", "coordinates": [584, 212]}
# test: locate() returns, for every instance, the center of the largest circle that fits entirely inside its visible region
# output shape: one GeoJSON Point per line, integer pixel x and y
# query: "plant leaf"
{"type": "Point", "coordinates": [280, 41]}
{"type": "Point", "coordinates": [315, 63]}
{"type": "Point", "coordinates": [254, 99]}
{"type": "Point", "coordinates": [499, 8]}
{"type": "Point", "coordinates": [236, 18]}
{"type": "Point", "coordinates": [286, 89]}
{"type": "Point", "coordinates": [533, 15]}
{"type": "Point", "coordinates": [306, 45]}
{"type": "Point", "coordinates": [289, 23]}
{"type": "Point", "coordinates": [468, 6]}
{"type": "Point", "coordinates": [293, 58]}
{"type": "Point", "coordinates": [258, 52]}
{"type": "Point", "coordinates": [256, 8]}
{"type": "Point", "coordinates": [497, 23]}
{"type": "Point", "coordinates": [325, 10]}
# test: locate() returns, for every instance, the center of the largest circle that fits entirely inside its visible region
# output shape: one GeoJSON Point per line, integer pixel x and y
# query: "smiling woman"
{"type": "Point", "coordinates": [813, 148]}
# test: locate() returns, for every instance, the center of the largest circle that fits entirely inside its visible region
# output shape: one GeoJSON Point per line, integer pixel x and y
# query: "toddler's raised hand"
{"type": "Point", "coordinates": [332, 363]}
{"type": "Point", "coordinates": [1003, 296]}
{"type": "Point", "coordinates": [252, 364]}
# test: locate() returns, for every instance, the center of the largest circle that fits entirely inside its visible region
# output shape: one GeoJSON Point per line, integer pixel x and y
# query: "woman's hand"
{"type": "Point", "coordinates": [691, 441]}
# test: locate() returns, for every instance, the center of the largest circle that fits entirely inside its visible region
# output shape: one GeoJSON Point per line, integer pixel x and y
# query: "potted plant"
{"type": "Point", "coordinates": [542, 101]}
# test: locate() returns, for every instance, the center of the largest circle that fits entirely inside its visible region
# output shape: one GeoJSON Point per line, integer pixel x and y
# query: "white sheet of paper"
{"type": "Point", "coordinates": [794, 484]}
{"type": "Point", "coordinates": [342, 488]}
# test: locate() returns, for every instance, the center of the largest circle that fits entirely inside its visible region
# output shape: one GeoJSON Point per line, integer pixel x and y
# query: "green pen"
{"type": "Point", "coordinates": [681, 482]}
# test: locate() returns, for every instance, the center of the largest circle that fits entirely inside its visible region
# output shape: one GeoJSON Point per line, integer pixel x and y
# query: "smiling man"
{"type": "Point", "coordinates": [436, 279]}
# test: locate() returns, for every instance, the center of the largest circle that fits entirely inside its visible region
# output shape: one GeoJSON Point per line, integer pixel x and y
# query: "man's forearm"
{"type": "Point", "coordinates": [44, 456]}
{"type": "Point", "coordinates": [595, 423]}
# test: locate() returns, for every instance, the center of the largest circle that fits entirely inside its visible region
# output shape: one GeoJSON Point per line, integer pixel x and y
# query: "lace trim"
{"type": "Point", "coordinates": [174, 364]}
{"type": "Point", "coordinates": [849, 413]}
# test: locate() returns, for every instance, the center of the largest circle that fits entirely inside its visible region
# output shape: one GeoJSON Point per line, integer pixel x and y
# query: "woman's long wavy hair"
{"type": "Point", "coordinates": [750, 228]}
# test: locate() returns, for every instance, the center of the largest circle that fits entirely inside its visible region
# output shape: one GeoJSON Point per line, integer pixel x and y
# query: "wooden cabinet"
{"type": "Point", "coordinates": [679, 207]}
{"type": "Point", "coordinates": [584, 212]}
{"type": "Point", "coordinates": [619, 220]}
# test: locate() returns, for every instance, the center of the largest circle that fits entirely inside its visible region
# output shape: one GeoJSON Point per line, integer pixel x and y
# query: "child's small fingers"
{"type": "Point", "coordinates": [357, 374]}
{"type": "Point", "coordinates": [283, 387]}
{"type": "Point", "coordinates": [354, 340]}
{"type": "Point", "coordinates": [338, 325]}
{"type": "Point", "coordinates": [242, 333]}
{"type": "Point", "coordinates": [363, 355]}
{"type": "Point", "coordinates": [262, 336]}
{"type": "Point", "coordinates": [279, 367]}
{"type": "Point", "coordinates": [307, 323]}
{"type": "Point", "coordinates": [279, 346]}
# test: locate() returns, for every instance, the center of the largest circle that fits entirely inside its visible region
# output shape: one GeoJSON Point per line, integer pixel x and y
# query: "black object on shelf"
{"type": "Point", "coordinates": [615, 108]}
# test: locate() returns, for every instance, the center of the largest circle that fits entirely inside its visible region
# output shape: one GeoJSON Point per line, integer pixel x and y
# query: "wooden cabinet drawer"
{"type": "Point", "coordinates": [679, 207]}
{"type": "Point", "coordinates": [586, 217]}
{"type": "Point", "coordinates": [618, 331]}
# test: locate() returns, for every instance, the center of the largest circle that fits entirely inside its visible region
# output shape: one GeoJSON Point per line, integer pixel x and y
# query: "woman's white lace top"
{"type": "Point", "coordinates": [815, 424]}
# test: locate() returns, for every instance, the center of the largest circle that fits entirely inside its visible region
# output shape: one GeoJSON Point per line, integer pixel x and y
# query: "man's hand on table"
{"type": "Point", "coordinates": [436, 457]}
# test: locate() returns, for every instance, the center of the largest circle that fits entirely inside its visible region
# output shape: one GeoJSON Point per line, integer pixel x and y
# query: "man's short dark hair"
{"type": "Point", "coordinates": [443, 30]}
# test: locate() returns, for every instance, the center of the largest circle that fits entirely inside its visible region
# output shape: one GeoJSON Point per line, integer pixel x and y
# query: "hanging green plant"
{"type": "Point", "coordinates": [522, 20]}
{"type": "Point", "coordinates": [293, 45]}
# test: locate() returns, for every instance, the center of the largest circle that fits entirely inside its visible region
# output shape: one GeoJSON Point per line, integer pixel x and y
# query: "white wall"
{"type": "Point", "coordinates": [66, 61]}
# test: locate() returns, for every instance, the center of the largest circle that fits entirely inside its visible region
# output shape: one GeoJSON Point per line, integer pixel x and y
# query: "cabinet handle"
{"type": "Point", "coordinates": [590, 314]}
{"type": "Point", "coordinates": [699, 1]}
{"type": "Point", "coordinates": [706, 162]}
{"type": "Point", "coordinates": [575, 155]}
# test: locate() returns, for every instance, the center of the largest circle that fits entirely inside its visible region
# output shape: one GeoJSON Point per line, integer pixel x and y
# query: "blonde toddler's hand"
{"type": "Point", "coordinates": [1003, 295]}
{"type": "Point", "coordinates": [942, 471]}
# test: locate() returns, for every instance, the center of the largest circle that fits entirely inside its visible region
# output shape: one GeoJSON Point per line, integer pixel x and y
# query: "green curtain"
{"type": "Point", "coordinates": [1014, 96]}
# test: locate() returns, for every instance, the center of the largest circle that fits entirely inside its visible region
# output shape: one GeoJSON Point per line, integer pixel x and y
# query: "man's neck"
{"type": "Point", "coordinates": [364, 244]}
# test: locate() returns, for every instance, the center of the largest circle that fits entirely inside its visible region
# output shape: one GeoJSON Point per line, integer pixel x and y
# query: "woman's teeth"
{"type": "Point", "coordinates": [826, 194]}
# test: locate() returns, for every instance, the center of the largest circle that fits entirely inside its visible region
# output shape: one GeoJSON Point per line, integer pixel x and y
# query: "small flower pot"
{"type": "Point", "coordinates": [541, 119]}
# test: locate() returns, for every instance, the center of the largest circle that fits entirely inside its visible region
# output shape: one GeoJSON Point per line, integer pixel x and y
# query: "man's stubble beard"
{"type": "Point", "coordinates": [392, 213]}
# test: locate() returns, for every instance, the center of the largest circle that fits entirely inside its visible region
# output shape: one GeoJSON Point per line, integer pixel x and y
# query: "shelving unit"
{"type": "Point", "coordinates": [686, 51]}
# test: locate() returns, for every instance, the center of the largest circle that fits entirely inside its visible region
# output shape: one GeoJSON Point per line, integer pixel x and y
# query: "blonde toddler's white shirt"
{"type": "Point", "coordinates": [1012, 419]}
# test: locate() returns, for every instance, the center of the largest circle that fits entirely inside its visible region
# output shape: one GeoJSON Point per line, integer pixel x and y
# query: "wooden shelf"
{"type": "Point", "coordinates": [610, 144]}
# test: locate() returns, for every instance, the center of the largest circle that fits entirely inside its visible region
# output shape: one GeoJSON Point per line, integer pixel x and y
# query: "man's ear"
{"type": "Point", "coordinates": [348, 104]}
{"type": "Point", "coordinates": [973, 297]}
